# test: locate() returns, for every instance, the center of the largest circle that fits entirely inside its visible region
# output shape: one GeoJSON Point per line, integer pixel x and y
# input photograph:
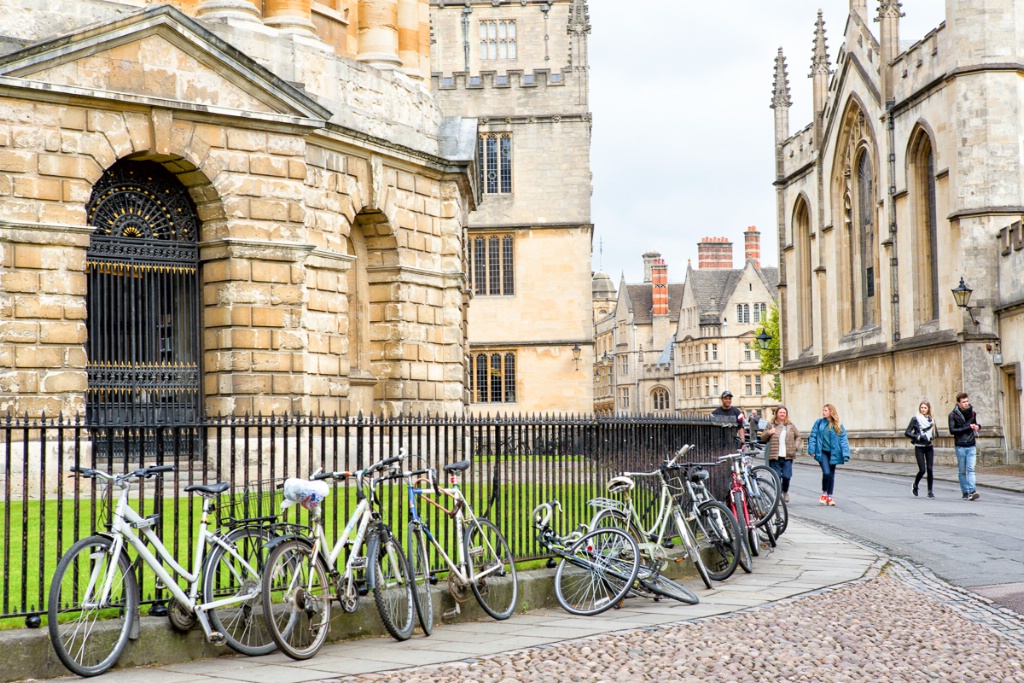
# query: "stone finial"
{"type": "Point", "coordinates": [820, 60]}
{"type": "Point", "coordinates": [889, 9]}
{"type": "Point", "coordinates": [579, 18]}
{"type": "Point", "coordinates": [780, 89]}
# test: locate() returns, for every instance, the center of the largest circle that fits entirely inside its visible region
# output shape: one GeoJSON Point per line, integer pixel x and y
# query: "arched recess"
{"type": "Point", "coordinates": [373, 244]}
{"type": "Point", "coordinates": [660, 399]}
{"type": "Point", "coordinates": [144, 305]}
{"type": "Point", "coordinates": [854, 189]}
{"type": "Point", "coordinates": [924, 226]}
{"type": "Point", "coordinates": [805, 273]}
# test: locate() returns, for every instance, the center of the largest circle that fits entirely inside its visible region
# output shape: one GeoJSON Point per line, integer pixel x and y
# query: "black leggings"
{"type": "Point", "coordinates": [925, 464]}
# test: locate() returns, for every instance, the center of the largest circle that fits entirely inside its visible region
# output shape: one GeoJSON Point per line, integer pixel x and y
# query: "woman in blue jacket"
{"type": "Point", "coordinates": [828, 444]}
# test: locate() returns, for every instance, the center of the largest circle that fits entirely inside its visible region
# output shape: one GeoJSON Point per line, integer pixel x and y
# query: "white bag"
{"type": "Point", "coordinates": [308, 494]}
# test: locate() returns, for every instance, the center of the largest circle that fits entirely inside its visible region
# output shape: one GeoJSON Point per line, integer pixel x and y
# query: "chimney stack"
{"type": "Point", "coordinates": [714, 253]}
{"type": "Point", "coordinates": [752, 246]}
{"type": "Point", "coordinates": [649, 259]}
{"type": "Point", "coordinates": [659, 287]}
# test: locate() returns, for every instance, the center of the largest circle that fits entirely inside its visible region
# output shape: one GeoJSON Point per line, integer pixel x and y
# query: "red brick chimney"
{"type": "Point", "coordinates": [714, 253]}
{"type": "Point", "coordinates": [659, 287]}
{"type": "Point", "coordinates": [752, 246]}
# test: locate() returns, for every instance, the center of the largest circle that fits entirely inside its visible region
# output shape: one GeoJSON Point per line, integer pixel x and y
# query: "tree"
{"type": "Point", "coordinates": [771, 358]}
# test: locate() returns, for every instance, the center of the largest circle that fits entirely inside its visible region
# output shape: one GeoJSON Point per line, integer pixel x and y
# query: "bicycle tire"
{"type": "Point", "coordinates": [689, 543]}
{"type": "Point", "coordinates": [781, 518]}
{"type": "Point", "coordinates": [667, 588]}
{"type": "Point", "coordinates": [392, 587]}
{"type": "Point", "coordinates": [86, 644]}
{"type": "Point", "coordinates": [242, 624]}
{"type": "Point", "coordinates": [486, 550]}
{"type": "Point", "coordinates": [746, 560]}
{"type": "Point", "coordinates": [721, 538]}
{"type": "Point", "coordinates": [596, 572]}
{"type": "Point", "coordinates": [614, 519]}
{"type": "Point", "coordinates": [769, 487]}
{"type": "Point", "coordinates": [419, 571]}
{"type": "Point", "coordinates": [297, 597]}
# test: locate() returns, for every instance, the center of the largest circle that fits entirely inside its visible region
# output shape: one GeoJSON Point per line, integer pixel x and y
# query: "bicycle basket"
{"type": "Point", "coordinates": [260, 498]}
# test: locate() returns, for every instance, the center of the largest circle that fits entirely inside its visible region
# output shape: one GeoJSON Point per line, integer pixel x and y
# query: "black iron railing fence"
{"type": "Point", "coordinates": [517, 463]}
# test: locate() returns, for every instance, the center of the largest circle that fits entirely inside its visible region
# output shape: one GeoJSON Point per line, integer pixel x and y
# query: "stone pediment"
{"type": "Point", "coordinates": [159, 56]}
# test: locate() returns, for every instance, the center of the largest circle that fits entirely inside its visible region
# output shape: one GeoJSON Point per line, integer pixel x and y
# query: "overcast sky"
{"type": "Point", "coordinates": [683, 137]}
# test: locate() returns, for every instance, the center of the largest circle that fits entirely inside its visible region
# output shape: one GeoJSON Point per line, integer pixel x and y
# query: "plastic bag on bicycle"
{"type": "Point", "coordinates": [303, 492]}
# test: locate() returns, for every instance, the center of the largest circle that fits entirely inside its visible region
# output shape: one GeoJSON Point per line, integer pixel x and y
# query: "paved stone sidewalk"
{"type": "Point", "coordinates": [807, 559]}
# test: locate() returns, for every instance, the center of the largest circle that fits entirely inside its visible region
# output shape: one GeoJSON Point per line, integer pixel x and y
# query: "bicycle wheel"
{"type": "Point", "coordinates": [664, 587]}
{"type": "Point", "coordinates": [392, 586]}
{"type": "Point", "coordinates": [746, 560]}
{"type": "Point", "coordinates": [227, 576]}
{"type": "Point", "coordinates": [686, 534]}
{"type": "Point", "coordinates": [718, 534]}
{"type": "Point", "coordinates": [781, 518]}
{"type": "Point", "coordinates": [419, 570]}
{"type": "Point", "coordinates": [650, 555]}
{"type": "Point", "coordinates": [596, 572]}
{"type": "Point", "coordinates": [768, 493]}
{"type": "Point", "coordinates": [297, 599]}
{"type": "Point", "coordinates": [492, 569]}
{"type": "Point", "coordinates": [89, 637]}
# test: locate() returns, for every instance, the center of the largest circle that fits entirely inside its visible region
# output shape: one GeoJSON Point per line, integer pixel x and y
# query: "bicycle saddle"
{"type": "Point", "coordinates": [210, 489]}
{"type": "Point", "coordinates": [698, 476]}
{"type": "Point", "coordinates": [460, 466]}
{"type": "Point", "coordinates": [620, 484]}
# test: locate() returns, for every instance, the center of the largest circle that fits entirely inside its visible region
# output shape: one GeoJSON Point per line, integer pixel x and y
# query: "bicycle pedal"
{"type": "Point", "coordinates": [451, 611]}
{"type": "Point", "coordinates": [359, 562]}
{"type": "Point", "coordinates": [362, 589]}
{"type": "Point", "coordinates": [433, 579]}
{"type": "Point", "coordinates": [668, 544]}
{"type": "Point", "coordinates": [217, 638]}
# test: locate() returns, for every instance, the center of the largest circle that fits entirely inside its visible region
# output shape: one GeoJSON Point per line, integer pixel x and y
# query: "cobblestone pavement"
{"type": "Point", "coordinates": [899, 623]}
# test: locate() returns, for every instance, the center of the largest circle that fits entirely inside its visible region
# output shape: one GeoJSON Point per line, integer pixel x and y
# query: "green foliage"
{"type": "Point", "coordinates": [771, 358]}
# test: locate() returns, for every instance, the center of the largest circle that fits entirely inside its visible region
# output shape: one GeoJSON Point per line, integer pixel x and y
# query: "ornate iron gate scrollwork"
{"type": "Point", "coordinates": [143, 308]}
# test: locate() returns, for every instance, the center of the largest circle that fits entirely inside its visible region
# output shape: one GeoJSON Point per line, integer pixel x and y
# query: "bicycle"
{"type": "Point", "coordinates": [484, 563]}
{"type": "Point", "coordinates": [94, 594]}
{"type": "Point", "coordinates": [296, 589]}
{"type": "Point", "coordinates": [652, 539]}
{"type": "Point", "coordinates": [768, 486]}
{"type": "Point", "coordinates": [744, 507]}
{"type": "Point", "coordinates": [597, 568]}
{"type": "Point", "coordinates": [717, 531]}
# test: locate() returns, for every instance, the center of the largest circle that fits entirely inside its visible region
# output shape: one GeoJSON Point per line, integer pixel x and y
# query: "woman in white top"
{"type": "Point", "coordinates": [783, 443]}
{"type": "Point", "coordinates": [922, 431]}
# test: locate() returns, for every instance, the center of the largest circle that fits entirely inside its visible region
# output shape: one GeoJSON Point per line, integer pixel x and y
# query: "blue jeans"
{"type": "Point", "coordinates": [828, 475]}
{"type": "Point", "coordinates": [783, 468]}
{"type": "Point", "coordinates": [966, 457]}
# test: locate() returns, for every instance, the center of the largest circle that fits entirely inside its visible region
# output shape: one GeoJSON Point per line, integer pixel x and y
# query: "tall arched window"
{"type": "Point", "coordinates": [802, 239]}
{"type": "Point", "coordinates": [867, 243]}
{"type": "Point", "coordinates": [925, 231]}
{"type": "Point", "coordinates": [660, 398]}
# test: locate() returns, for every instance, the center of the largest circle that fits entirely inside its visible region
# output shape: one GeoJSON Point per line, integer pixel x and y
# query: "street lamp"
{"type": "Point", "coordinates": [763, 339]}
{"type": "Point", "coordinates": [962, 296]}
{"type": "Point", "coordinates": [576, 350]}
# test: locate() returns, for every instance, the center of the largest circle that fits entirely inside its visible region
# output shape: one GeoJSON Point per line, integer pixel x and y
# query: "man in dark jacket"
{"type": "Point", "coordinates": [727, 412]}
{"type": "Point", "coordinates": [963, 426]}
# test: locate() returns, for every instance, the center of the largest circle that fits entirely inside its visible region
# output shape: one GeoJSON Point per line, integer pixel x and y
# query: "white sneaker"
{"type": "Point", "coordinates": [785, 496]}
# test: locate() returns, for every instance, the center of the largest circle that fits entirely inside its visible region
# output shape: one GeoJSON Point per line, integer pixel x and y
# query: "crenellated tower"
{"type": "Point", "coordinates": [889, 44]}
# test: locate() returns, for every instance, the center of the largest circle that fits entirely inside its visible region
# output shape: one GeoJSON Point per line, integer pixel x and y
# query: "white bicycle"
{"type": "Point", "coordinates": [94, 594]}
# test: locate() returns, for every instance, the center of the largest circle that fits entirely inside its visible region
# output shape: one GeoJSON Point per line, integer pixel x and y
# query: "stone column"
{"type": "Point", "coordinates": [291, 16]}
{"type": "Point", "coordinates": [378, 33]}
{"type": "Point", "coordinates": [228, 11]}
{"type": "Point", "coordinates": [409, 37]}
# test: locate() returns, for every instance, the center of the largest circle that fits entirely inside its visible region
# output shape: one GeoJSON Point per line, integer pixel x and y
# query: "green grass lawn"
{"type": "Point", "coordinates": [39, 532]}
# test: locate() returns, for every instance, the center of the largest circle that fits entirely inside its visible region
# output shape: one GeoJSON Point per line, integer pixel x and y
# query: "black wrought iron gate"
{"type": "Point", "coordinates": [143, 304]}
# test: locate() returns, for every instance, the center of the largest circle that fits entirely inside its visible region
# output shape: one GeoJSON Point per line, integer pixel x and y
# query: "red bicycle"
{"type": "Point", "coordinates": [748, 512]}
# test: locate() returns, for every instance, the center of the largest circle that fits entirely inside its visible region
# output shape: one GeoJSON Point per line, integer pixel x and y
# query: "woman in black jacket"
{"type": "Point", "coordinates": [921, 431]}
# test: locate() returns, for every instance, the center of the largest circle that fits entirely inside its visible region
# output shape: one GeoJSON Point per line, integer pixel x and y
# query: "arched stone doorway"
{"type": "Point", "coordinates": [143, 299]}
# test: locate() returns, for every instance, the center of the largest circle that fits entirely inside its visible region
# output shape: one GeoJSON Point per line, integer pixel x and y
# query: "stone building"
{"type": "Point", "coordinates": [520, 68]}
{"type": "Point", "coordinates": [229, 207]}
{"type": "Point", "coordinates": [906, 180]}
{"type": "Point", "coordinates": [605, 298]}
{"type": "Point", "coordinates": [721, 309]}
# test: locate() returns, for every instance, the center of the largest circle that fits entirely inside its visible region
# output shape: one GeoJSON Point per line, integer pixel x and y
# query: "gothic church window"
{"type": "Point", "coordinates": [659, 398]}
{"type": "Point", "coordinates": [494, 162]}
{"type": "Point", "coordinates": [866, 246]}
{"type": "Point", "coordinates": [493, 377]}
{"type": "Point", "coordinates": [802, 237]}
{"type": "Point", "coordinates": [498, 40]}
{"type": "Point", "coordinates": [492, 265]}
{"type": "Point", "coordinates": [925, 231]}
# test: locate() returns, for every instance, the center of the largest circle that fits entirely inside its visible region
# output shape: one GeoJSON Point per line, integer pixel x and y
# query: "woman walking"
{"type": "Point", "coordinates": [921, 431]}
{"type": "Point", "coordinates": [783, 443]}
{"type": "Point", "coordinates": [828, 444]}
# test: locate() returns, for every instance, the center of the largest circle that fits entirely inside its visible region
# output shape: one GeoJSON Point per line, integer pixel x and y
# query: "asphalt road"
{"type": "Point", "coordinates": [974, 544]}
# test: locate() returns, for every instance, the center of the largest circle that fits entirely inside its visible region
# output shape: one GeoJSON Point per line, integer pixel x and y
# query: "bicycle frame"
{"type": "Point", "coordinates": [739, 486]}
{"type": "Point", "coordinates": [123, 524]}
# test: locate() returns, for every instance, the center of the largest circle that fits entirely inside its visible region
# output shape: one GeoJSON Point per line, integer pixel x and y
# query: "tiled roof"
{"type": "Point", "coordinates": [640, 301]}
{"type": "Point", "coordinates": [713, 287]}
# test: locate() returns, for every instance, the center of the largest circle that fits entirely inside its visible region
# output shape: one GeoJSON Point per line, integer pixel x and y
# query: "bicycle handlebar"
{"type": "Point", "coordinates": [141, 473]}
